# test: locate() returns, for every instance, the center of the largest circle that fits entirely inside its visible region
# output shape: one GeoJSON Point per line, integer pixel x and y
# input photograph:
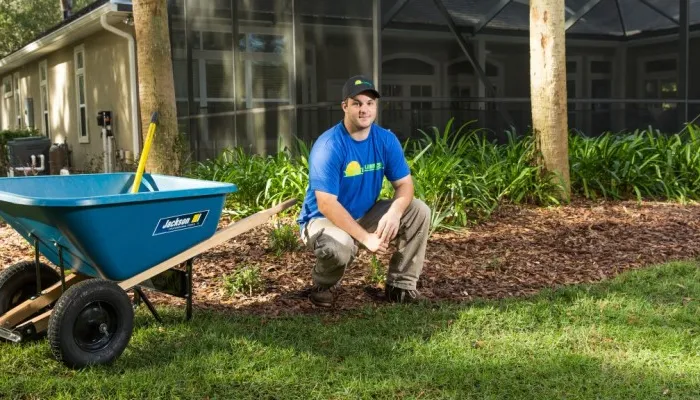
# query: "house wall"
{"type": "Point", "coordinates": [8, 103]}
{"type": "Point", "coordinates": [5, 106]}
{"type": "Point", "coordinates": [107, 87]}
{"type": "Point", "coordinates": [29, 88]}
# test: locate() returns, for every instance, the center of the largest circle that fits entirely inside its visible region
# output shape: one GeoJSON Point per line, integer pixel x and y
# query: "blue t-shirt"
{"type": "Point", "coordinates": [352, 170]}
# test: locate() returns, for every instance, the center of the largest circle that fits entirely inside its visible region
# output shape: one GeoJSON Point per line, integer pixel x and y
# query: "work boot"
{"type": "Point", "coordinates": [323, 296]}
{"type": "Point", "coordinates": [404, 296]}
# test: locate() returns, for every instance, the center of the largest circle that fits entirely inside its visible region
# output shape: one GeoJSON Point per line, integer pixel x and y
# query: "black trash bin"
{"type": "Point", "coordinates": [29, 156]}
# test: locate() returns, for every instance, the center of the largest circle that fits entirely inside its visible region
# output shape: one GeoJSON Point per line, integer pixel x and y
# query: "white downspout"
{"type": "Point", "coordinates": [136, 130]}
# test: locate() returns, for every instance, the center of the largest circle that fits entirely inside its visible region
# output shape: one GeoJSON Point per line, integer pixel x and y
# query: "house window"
{"type": "Point", "coordinates": [7, 87]}
{"type": "Point", "coordinates": [659, 81]}
{"type": "Point", "coordinates": [44, 94]}
{"type": "Point", "coordinates": [79, 60]}
{"type": "Point", "coordinates": [18, 102]}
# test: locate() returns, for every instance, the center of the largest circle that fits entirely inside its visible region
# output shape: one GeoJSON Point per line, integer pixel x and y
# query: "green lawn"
{"type": "Point", "coordinates": [635, 337]}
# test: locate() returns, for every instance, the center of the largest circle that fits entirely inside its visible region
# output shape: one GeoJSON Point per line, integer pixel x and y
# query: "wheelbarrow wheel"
{"type": "Point", "coordinates": [91, 324]}
{"type": "Point", "coordinates": [18, 283]}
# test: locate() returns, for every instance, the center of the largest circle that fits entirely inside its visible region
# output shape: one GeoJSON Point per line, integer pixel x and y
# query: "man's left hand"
{"type": "Point", "coordinates": [388, 226]}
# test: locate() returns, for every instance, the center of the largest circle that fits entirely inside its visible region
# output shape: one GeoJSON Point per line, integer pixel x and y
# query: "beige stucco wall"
{"type": "Point", "coordinates": [7, 113]}
{"type": "Point", "coordinates": [107, 83]}
{"type": "Point", "coordinates": [107, 88]}
{"type": "Point", "coordinates": [29, 88]}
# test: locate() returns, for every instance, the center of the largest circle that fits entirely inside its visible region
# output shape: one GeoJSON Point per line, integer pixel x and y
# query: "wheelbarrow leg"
{"type": "Point", "coordinates": [188, 294]}
{"type": "Point", "coordinates": [36, 263]}
{"type": "Point", "coordinates": [60, 266]}
{"type": "Point", "coordinates": [148, 303]}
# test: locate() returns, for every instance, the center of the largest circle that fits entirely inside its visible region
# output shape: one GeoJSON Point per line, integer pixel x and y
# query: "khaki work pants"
{"type": "Point", "coordinates": [335, 250]}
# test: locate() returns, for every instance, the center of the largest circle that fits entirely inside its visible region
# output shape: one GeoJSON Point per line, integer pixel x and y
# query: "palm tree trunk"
{"type": "Point", "coordinates": [156, 85]}
{"type": "Point", "coordinates": [548, 89]}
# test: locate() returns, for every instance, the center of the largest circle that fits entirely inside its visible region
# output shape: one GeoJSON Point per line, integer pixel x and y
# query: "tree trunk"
{"type": "Point", "coordinates": [548, 89]}
{"type": "Point", "coordinates": [156, 85]}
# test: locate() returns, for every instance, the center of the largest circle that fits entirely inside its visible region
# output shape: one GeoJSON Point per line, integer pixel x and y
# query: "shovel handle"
{"type": "Point", "coordinates": [144, 153]}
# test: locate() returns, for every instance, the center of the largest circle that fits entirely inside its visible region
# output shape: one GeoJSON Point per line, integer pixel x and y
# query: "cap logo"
{"type": "Point", "coordinates": [359, 82]}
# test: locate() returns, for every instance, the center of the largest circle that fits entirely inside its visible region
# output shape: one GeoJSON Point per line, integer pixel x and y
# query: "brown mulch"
{"type": "Point", "coordinates": [520, 251]}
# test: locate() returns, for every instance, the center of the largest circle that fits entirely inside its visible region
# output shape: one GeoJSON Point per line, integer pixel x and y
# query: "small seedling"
{"type": "Point", "coordinates": [246, 280]}
{"type": "Point", "coordinates": [284, 239]}
{"type": "Point", "coordinates": [377, 273]}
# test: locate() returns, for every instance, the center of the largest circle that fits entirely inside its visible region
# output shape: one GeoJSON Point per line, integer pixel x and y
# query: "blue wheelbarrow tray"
{"type": "Point", "coordinates": [104, 230]}
{"type": "Point", "coordinates": [94, 226]}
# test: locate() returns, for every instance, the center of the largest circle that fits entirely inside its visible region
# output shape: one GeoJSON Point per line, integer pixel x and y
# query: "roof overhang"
{"type": "Point", "coordinates": [72, 32]}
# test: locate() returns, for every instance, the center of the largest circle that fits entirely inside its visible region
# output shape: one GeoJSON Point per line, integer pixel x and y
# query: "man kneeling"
{"type": "Point", "coordinates": [347, 165]}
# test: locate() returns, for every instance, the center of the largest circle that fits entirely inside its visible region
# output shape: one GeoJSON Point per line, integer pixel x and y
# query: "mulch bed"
{"type": "Point", "coordinates": [518, 252]}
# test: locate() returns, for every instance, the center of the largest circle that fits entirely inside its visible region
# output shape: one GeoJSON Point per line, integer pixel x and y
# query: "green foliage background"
{"type": "Point", "coordinates": [23, 20]}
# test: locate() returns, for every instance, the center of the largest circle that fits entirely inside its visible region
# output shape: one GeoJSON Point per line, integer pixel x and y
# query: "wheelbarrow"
{"type": "Point", "coordinates": [104, 239]}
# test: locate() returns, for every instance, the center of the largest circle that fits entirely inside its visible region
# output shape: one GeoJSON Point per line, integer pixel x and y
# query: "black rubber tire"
{"type": "Point", "coordinates": [91, 324]}
{"type": "Point", "coordinates": [18, 283]}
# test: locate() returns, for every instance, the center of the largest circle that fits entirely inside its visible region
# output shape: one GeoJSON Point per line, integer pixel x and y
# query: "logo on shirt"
{"type": "Point", "coordinates": [354, 168]}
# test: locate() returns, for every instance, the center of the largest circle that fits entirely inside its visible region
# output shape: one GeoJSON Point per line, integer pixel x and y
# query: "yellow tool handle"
{"type": "Point", "coordinates": [144, 153]}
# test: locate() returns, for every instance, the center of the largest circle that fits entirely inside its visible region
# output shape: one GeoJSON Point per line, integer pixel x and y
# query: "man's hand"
{"type": "Point", "coordinates": [388, 226]}
{"type": "Point", "coordinates": [375, 244]}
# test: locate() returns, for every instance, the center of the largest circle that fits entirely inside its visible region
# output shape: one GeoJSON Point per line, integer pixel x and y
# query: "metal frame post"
{"type": "Point", "coordinates": [683, 36]}
{"type": "Point", "coordinates": [377, 48]}
{"type": "Point", "coordinates": [236, 57]}
{"type": "Point", "coordinates": [298, 44]}
{"type": "Point", "coordinates": [194, 147]}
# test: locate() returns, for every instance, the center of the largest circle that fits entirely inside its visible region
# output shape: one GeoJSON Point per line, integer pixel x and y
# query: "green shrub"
{"type": "Point", "coordinates": [262, 181]}
{"type": "Point", "coordinates": [284, 238]}
{"type": "Point", "coordinates": [643, 164]}
{"type": "Point", "coordinates": [464, 177]}
{"type": "Point", "coordinates": [246, 280]}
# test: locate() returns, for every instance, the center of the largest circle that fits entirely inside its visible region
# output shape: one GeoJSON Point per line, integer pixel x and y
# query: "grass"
{"type": "Point", "coordinates": [637, 336]}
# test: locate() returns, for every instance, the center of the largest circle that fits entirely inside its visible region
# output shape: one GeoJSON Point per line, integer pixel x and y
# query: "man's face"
{"type": "Point", "coordinates": [361, 110]}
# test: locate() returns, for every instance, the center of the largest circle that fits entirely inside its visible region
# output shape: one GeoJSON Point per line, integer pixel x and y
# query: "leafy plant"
{"type": "Point", "coordinates": [262, 181]}
{"type": "Point", "coordinates": [643, 164]}
{"type": "Point", "coordinates": [377, 272]}
{"type": "Point", "coordinates": [284, 238]}
{"type": "Point", "coordinates": [246, 280]}
{"type": "Point", "coordinates": [464, 176]}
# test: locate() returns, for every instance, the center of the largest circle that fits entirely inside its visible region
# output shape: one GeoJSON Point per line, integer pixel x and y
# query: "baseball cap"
{"type": "Point", "coordinates": [358, 84]}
